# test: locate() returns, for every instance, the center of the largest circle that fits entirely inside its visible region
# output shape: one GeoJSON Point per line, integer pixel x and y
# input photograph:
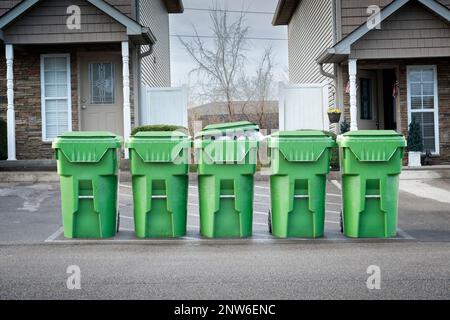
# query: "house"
{"type": "Point", "coordinates": [78, 65]}
{"type": "Point", "coordinates": [265, 114]}
{"type": "Point", "coordinates": [388, 62]}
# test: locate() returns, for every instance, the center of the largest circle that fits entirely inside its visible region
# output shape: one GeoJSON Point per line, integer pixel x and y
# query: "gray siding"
{"type": "Point", "coordinates": [155, 69]}
{"type": "Point", "coordinates": [354, 12]}
{"type": "Point", "coordinates": [46, 23]}
{"type": "Point", "coordinates": [5, 5]}
{"type": "Point", "coordinates": [412, 32]}
{"type": "Point", "coordinates": [310, 33]}
{"type": "Point", "coordinates": [125, 6]}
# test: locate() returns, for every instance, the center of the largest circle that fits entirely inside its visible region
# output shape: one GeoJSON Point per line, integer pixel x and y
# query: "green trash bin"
{"type": "Point", "coordinates": [227, 156]}
{"type": "Point", "coordinates": [159, 164]}
{"type": "Point", "coordinates": [88, 168]}
{"type": "Point", "coordinates": [300, 162]}
{"type": "Point", "coordinates": [371, 163]}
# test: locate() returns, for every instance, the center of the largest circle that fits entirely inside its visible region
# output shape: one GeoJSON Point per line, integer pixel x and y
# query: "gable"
{"type": "Point", "coordinates": [354, 13]}
{"type": "Point", "coordinates": [411, 32]}
{"type": "Point", "coordinates": [46, 23]}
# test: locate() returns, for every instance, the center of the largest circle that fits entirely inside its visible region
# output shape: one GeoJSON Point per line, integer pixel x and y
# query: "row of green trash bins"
{"type": "Point", "coordinates": [371, 163]}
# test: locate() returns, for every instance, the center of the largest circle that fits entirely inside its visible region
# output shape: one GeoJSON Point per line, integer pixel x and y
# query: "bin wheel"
{"type": "Point", "coordinates": [118, 221]}
{"type": "Point", "coordinates": [269, 221]}
{"type": "Point", "coordinates": [342, 222]}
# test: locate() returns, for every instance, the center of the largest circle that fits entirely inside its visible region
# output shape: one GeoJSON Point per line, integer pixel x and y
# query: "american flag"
{"type": "Point", "coordinates": [347, 87]}
{"type": "Point", "coordinates": [395, 90]}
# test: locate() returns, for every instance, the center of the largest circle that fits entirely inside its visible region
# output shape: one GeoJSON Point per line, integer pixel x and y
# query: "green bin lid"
{"type": "Point", "coordinates": [86, 146]}
{"type": "Point", "coordinates": [372, 145]}
{"type": "Point", "coordinates": [159, 146]}
{"type": "Point", "coordinates": [301, 145]}
{"type": "Point", "coordinates": [300, 134]}
{"type": "Point", "coordinates": [372, 133]}
{"type": "Point", "coordinates": [226, 128]}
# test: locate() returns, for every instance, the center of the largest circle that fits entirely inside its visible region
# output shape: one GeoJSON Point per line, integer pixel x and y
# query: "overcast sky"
{"type": "Point", "coordinates": [260, 27]}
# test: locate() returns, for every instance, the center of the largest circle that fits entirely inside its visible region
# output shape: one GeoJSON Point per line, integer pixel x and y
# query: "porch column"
{"type": "Point", "coordinates": [10, 115]}
{"type": "Point", "coordinates": [126, 93]}
{"type": "Point", "coordinates": [352, 71]}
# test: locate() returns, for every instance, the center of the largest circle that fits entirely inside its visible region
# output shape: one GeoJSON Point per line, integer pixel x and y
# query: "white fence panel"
{"type": "Point", "coordinates": [163, 106]}
{"type": "Point", "coordinates": [303, 106]}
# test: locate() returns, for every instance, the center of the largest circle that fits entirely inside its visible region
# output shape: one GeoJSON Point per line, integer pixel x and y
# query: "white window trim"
{"type": "Point", "coordinates": [69, 97]}
{"type": "Point", "coordinates": [436, 102]}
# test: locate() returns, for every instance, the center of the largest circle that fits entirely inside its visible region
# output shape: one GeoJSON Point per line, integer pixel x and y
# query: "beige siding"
{"type": "Point", "coordinates": [310, 33]}
{"type": "Point", "coordinates": [412, 32]}
{"type": "Point", "coordinates": [155, 69]}
{"type": "Point", "coordinates": [354, 12]}
{"type": "Point", "coordinates": [46, 23]}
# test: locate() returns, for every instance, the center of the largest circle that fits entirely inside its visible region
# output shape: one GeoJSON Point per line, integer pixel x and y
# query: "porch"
{"type": "Point", "coordinates": [53, 89]}
{"type": "Point", "coordinates": [390, 94]}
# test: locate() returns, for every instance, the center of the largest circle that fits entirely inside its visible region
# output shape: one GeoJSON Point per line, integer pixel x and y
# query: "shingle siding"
{"type": "Point", "coordinates": [155, 69]}
{"type": "Point", "coordinates": [354, 12]}
{"type": "Point", "coordinates": [310, 33]}
{"type": "Point", "coordinates": [412, 32]}
{"type": "Point", "coordinates": [46, 23]}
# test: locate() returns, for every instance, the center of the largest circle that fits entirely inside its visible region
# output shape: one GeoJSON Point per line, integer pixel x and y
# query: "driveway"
{"type": "Point", "coordinates": [34, 256]}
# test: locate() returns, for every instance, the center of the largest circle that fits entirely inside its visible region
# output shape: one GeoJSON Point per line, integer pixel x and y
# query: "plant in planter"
{"type": "Point", "coordinates": [334, 115]}
{"type": "Point", "coordinates": [415, 145]}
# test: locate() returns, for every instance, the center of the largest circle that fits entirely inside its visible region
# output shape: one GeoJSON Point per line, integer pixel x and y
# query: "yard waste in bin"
{"type": "Point", "coordinates": [300, 162]}
{"type": "Point", "coordinates": [159, 164]}
{"type": "Point", "coordinates": [88, 168]}
{"type": "Point", "coordinates": [227, 156]}
{"type": "Point", "coordinates": [371, 163]}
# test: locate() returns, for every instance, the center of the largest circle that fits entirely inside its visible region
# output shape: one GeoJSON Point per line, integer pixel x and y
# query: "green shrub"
{"type": "Point", "coordinates": [345, 126]}
{"type": "Point", "coordinates": [415, 143]}
{"type": "Point", "coordinates": [159, 127]}
{"type": "Point", "coordinates": [3, 140]}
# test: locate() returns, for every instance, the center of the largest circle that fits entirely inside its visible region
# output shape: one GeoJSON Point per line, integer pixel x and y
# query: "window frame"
{"type": "Point", "coordinates": [435, 109]}
{"type": "Point", "coordinates": [44, 98]}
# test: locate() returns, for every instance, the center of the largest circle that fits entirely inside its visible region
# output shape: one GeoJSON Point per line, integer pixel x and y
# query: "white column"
{"type": "Point", "coordinates": [11, 118]}
{"type": "Point", "coordinates": [352, 71]}
{"type": "Point", "coordinates": [126, 93]}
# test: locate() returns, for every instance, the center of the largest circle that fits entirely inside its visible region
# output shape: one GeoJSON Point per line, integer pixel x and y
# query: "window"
{"type": "Point", "coordinates": [101, 83]}
{"type": "Point", "coordinates": [423, 104]}
{"type": "Point", "coordinates": [55, 95]}
{"type": "Point", "coordinates": [366, 99]}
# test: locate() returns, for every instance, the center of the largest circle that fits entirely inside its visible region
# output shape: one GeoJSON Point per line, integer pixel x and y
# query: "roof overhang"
{"type": "Point", "coordinates": [138, 33]}
{"type": "Point", "coordinates": [284, 12]}
{"type": "Point", "coordinates": [174, 6]}
{"type": "Point", "coordinates": [342, 49]}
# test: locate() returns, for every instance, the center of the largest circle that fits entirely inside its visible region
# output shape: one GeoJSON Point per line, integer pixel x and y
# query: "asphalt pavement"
{"type": "Point", "coordinates": [34, 256]}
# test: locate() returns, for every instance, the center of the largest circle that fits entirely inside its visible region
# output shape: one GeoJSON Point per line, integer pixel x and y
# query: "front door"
{"type": "Point", "coordinates": [367, 100]}
{"type": "Point", "coordinates": [101, 94]}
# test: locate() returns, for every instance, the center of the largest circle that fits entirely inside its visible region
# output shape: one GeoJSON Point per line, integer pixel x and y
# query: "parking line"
{"type": "Point", "coordinates": [125, 186]}
{"type": "Point", "coordinates": [262, 195]}
{"type": "Point", "coordinates": [332, 222]}
{"type": "Point", "coordinates": [55, 235]}
{"type": "Point", "coordinates": [125, 217]}
{"type": "Point", "coordinates": [331, 211]}
{"type": "Point", "coordinates": [405, 235]}
{"type": "Point", "coordinates": [337, 184]}
{"type": "Point", "coordinates": [261, 187]}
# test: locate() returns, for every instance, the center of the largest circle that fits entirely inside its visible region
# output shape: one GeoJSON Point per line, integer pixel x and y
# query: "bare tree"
{"type": "Point", "coordinates": [259, 88]}
{"type": "Point", "coordinates": [221, 63]}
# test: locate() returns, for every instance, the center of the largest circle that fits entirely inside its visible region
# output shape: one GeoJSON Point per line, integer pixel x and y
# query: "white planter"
{"type": "Point", "coordinates": [414, 159]}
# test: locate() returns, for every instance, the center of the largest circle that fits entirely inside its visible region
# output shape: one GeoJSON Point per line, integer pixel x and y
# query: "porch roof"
{"type": "Point", "coordinates": [137, 33]}
{"type": "Point", "coordinates": [342, 49]}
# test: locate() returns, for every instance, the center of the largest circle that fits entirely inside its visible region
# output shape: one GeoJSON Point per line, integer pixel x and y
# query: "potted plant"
{"type": "Point", "coordinates": [415, 145]}
{"type": "Point", "coordinates": [334, 115]}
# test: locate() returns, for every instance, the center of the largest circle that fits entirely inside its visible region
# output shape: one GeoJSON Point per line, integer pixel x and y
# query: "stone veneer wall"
{"type": "Point", "coordinates": [27, 100]}
{"type": "Point", "coordinates": [443, 69]}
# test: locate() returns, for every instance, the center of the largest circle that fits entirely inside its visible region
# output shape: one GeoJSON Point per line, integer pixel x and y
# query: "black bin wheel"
{"type": "Point", "coordinates": [269, 221]}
